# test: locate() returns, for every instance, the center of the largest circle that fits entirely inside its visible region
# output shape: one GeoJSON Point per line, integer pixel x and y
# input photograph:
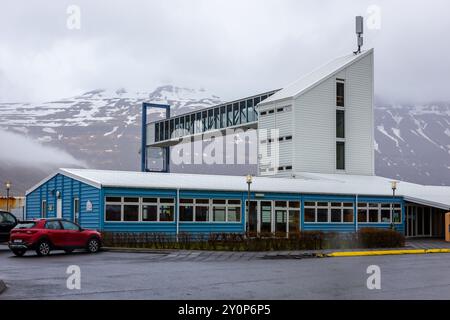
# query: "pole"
{"type": "Point", "coordinates": [356, 215]}
{"type": "Point", "coordinates": [392, 208]}
{"type": "Point", "coordinates": [178, 212]}
{"type": "Point", "coordinates": [7, 199]}
{"type": "Point", "coordinates": [248, 210]}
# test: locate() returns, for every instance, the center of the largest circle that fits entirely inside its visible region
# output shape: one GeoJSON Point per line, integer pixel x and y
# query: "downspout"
{"type": "Point", "coordinates": [178, 213]}
{"type": "Point", "coordinates": [356, 214]}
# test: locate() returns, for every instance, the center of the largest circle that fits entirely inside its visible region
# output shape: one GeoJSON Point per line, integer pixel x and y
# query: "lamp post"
{"type": "Point", "coordinates": [8, 186]}
{"type": "Point", "coordinates": [394, 188]}
{"type": "Point", "coordinates": [249, 180]}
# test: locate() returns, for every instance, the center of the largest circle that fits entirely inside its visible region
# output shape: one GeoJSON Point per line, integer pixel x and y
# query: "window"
{"type": "Point", "coordinates": [67, 225]}
{"type": "Point", "coordinates": [219, 213]}
{"type": "Point", "coordinates": [76, 209]}
{"type": "Point", "coordinates": [44, 209]}
{"type": "Point", "coordinates": [201, 213]}
{"type": "Point", "coordinates": [53, 225]}
{"type": "Point", "coordinates": [136, 209]}
{"type": "Point", "coordinates": [322, 215]}
{"type": "Point", "coordinates": [235, 114]}
{"type": "Point", "coordinates": [186, 213]}
{"type": "Point", "coordinates": [131, 212]}
{"type": "Point", "coordinates": [166, 213]}
{"type": "Point", "coordinates": [310, 215]}
{"type": "Point", "coordinates": [326, 212]}
{"type": "Point", "coordinates": [113, 212]}
{"type": "Point", "coordinates": [234, 214]}
{"type": "Point", "coordinates": [7, 218]}
{"type": "Point", "coordinates": [243, 111]}
{"type": "Point", "coordinates": [340, 91]}
{"type": "Point", "coordinates": [157, 132]}
{"type": "Point", "coordinates": [397, 214]}
{"type": "Point", "coordinates": [340, 155]}
{"type": "Point", "coordinates": [150, 211]}
{"type": "Point", "coordinates": [379, 213]}
{"type": "Point", "coordinates": [340, 124]}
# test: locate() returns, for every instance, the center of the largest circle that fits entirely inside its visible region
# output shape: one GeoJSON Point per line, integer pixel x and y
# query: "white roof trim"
{"type": "Point", "coordinates": [282, 95]}
{"type": "Point", "coordinates": [64, 172]}
{"type": "Point", "coordinates": [427, 203]}
{"type": "Point", "coordinates": [304, 183]}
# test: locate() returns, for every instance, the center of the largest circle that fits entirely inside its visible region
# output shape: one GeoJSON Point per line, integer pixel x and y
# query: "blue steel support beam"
{"type": "Point", "coordinates": [145, 107]}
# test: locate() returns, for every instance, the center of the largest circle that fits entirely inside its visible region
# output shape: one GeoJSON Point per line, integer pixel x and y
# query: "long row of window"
{"type": "Point", "coordinates": [210, 210]}
{"type": "Point", "coordinates": [137, 209]}
{"type": "Point", "coordinates": [220, 117]}
{"type": "Point", "coordinates": [329, 212]}
{"type": "Point", "coordinates": [277, 110]}
{"type": "Point", "coordinates": [343, 212]}
{"type": "Point", "coordinates": [379, 213]}
{"type": "Point", "coordinates": [142, 209]}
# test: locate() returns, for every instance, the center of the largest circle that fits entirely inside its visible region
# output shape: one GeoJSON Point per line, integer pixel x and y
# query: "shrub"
{"type": "Point", "coordinates": [304, 240]}
{"type": "Point", "coordinates": [380, 238]}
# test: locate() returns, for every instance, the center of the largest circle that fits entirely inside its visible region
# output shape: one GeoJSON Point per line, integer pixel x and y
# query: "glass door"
{"type": "Point", "coordinates": [266, 217]}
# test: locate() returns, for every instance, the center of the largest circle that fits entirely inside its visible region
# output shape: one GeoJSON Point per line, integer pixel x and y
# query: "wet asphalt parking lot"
{"type": "Point", "coordinates": [206, 275]}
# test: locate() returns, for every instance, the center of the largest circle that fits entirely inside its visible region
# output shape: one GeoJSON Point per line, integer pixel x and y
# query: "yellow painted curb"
{"type": "Point", "coordinates": [386, 252]}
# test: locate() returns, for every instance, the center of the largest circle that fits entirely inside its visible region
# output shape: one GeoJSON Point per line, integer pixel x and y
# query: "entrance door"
{"type": "Point", "coordinates": [59, 208]}
{"type": "Point", "coordinates": [418, 221]}
{"type": "Point", "coordinates": [266, 218]}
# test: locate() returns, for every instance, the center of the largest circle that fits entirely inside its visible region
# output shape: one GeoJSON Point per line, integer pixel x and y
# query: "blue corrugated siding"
{"type": "Point", "coordinates": [94, 219]}
{"type": "Point", "coordinates": [69, 189]}
{"type": "Point", "coordinates": [33, 205]}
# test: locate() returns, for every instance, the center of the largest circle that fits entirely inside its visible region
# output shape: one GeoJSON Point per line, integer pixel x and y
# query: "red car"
{"type": "Point", "coordinates": [45, 235]}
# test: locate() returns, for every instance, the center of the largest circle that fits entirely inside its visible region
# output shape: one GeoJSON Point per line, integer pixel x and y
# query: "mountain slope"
{"type": "Point", "coordinates": [101, 129]}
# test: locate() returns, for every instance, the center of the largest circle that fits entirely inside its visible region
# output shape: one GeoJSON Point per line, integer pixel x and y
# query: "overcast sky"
{"type": "Point", "coordinates": [232, 48]}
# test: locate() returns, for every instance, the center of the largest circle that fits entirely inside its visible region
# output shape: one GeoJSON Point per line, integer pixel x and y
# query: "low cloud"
{"type": "Point", "coordinates": [20, 150]}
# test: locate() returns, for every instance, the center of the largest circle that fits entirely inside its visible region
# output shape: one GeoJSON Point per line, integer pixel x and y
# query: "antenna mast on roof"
{"type": "Point", "coordinates": [359, 32]}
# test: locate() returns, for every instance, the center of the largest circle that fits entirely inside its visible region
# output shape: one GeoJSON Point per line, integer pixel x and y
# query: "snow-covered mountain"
{"type": "Point", "coordinates": [101, 129]}
{"type": "Point", "coordinates": [413, 142]}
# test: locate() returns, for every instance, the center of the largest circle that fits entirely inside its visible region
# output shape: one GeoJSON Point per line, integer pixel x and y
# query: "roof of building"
{"type": "Point", "coordinates": [308, 183]}
{"type": "Point", "coordinates": [315, 77]}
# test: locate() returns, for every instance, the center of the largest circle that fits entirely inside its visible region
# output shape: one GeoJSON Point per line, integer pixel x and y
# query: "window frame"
{"type": "Point", "coordinates": [331, 205]}
{"type": "Point", "coordinates": [140, 204]}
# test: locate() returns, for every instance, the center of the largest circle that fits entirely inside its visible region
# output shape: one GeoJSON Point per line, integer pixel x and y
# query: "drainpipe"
{"type": "Point", "coordinates": [356, 214]}
{"type": "Point", "coordinates": [178, 212]}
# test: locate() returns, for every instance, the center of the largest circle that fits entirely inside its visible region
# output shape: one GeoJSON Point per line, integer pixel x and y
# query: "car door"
{"type": "Point", "coordinates": [73, 235]}
{"type": "Point", "coordinates": [55, 232]}
{"type": "Point", "coordinates": [7, 223]}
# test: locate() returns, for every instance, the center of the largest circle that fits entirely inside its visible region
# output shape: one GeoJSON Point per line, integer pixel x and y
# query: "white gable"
{"type": "Point", "coordinates": [315, 77]}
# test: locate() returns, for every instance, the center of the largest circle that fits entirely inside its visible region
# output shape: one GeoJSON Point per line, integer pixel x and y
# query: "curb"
{"type": "Point", "coordinates": [2, 286]}
{"type": "Point", "coordinates": [386, 252]}
{"type": "Point", "coordinates": [136, 250]}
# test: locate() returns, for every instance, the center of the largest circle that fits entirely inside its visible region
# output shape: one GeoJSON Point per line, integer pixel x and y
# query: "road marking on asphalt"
{"type": "Point", "coordinates": [386, 252]}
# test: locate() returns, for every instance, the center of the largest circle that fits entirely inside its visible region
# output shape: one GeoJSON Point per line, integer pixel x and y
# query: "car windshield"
{"type": "Point", "coordinates": [25, 225]}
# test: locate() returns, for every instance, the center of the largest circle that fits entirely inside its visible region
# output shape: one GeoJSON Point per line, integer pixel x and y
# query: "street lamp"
{"type": "Point", "coordinates": [8, 186]}
{"type": "Point", "coordinates": [249, 180]}
{"type": "Point", "coordinates": [394, 188]}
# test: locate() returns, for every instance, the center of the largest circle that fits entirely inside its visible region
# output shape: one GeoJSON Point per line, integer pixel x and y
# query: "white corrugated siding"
{"type": "Point", "coordinates": [283, 121]}
{"type": "Point", "coordinates": [315, 123]}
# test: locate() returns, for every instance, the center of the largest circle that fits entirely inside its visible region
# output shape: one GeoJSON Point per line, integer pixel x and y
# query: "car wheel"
{"type": "Point", "coordinates": [93, 245]}
{"type": "Point", "coordinates": [19, 253]}
{"type": "Point", "coordinates": [68, 251]}
{"type": "Point", "coordinates": [43, 248]}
